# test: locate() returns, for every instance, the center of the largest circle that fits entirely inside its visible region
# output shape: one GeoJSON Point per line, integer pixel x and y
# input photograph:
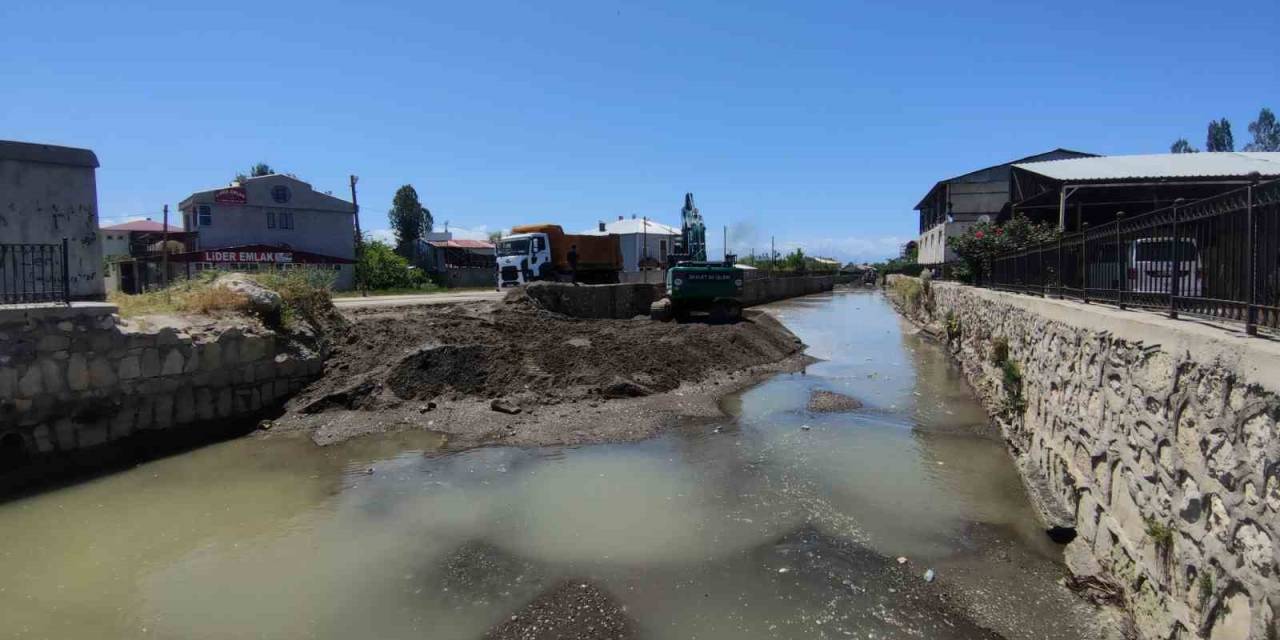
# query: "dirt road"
{"type": "Point", "coordinates": [414, 299]}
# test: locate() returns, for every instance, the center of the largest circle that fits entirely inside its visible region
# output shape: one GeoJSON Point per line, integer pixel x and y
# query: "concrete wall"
{"type": "Point", "coordinates": [630, 300]}
{"type": "Point", "coordinates": [1157, 439]}
{"type": "Point", "coordinates": [75, 378]}
{"type": "Point", "coordinates": [468, 277]}
{"type": "Point", "coordinates": [48, 194]}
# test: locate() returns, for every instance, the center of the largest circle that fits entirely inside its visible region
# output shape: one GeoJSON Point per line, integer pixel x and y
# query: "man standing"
{"type": "Point", "coordinates": [573, 261]}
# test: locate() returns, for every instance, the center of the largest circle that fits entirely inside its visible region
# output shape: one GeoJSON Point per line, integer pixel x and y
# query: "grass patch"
{"type": "Point", "coordinates": [1161, 534]}
{"type": "Point", "coordinates": [1206, 586]}
{"type": "Point", "coordinates": [909, 292]}
{"type": "Point", "coordinates": [429, 287]}
{"type": "Point", "coordinates": [305, 293]}
{"type": "Point", "coordinates": [953, 326]}
{"type": "Point", "coordinates": [1014, 402]}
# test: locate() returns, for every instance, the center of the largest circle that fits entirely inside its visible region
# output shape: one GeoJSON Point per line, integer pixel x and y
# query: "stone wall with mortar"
{"type": "Point", "coordinates": [77, 377]}
{"type": "Point", "coordinates": [1156, 438]}
{"type": "Point", "coordinates": [624, 301]}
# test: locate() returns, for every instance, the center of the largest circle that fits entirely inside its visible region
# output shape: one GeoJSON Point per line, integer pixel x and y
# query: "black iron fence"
{"type": "Point", "coordinates": [34, 273]}
{"type": "Point", "coordinates": [1215, 258]}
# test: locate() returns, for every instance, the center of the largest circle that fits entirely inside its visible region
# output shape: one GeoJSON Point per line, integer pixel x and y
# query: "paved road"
{"type": "Point", "coordinates": [414, 299]}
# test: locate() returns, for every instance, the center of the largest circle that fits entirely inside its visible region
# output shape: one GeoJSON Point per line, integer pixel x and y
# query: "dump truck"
{"type": "Point", "coordinates": [541, 252]}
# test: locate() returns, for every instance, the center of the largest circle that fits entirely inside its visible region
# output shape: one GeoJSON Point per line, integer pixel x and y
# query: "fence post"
{"type": "Point", "coordinates": [1060, 295]}
{"type": "Point", "coordinates": [1177, 264]}
{"type": "Point", "coordinates": [1250, 310]}
{"type": "Point", "coordinates": [1121, 261]}
{"type": "Point", "coordinates": [66, 277]}
{"type": "Point", "coordinates": [1084, 262]}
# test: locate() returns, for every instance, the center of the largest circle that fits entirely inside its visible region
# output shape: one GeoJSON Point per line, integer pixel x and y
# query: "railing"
{"type": "Point", "coordinates": [34, 273]}
{"type": "Point", "coordinates": [1215, 258]}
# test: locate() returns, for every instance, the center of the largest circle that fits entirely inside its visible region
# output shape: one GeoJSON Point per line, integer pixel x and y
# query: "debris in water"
{"type": "Point", "coordinates": [783, 570]}
{"type": "Point", "coordinates": [805, 427]}
{"type": "Point", "coordinates": [902, 559]}
{"type": "Point", "coordinates": [368, 471]}
{"type": "Point", "coordinates": [929, 575]}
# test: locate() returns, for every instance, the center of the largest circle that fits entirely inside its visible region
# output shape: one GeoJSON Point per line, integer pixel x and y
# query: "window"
{"type": "Point", "coordinates": [286, 219]}
{"type": "Point", "coordinates": [280, 193]}
{"type": "Point", "coordinates": [271, 219]}
{"type": "Point", "coordinates": [204, 215]}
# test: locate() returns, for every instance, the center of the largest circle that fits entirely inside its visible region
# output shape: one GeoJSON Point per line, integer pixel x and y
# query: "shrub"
{"type": "Point", "coordinates": [306, 293]}
{"type": "Point", "coordinates": [1161, 534]}
{"type": "Point", "coordinates": [999, 351]}
{"type": "Point", "coordinates": [1206, 586]}
{"type": "Point", "coordinates": [953, 326]}
{"type": "Point", "coordinates": [380, 267]}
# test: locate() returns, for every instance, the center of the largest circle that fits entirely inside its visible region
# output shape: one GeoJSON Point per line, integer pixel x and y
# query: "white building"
{"type": "Point", "coordinates": [645, 243]}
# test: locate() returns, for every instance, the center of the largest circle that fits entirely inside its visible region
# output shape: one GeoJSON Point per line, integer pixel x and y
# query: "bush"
{"type": "Point", "coordinates": [306, 293]}
{"type": "Point", "coordinates": [999, 351]}
{"type": "Point", "coordinates": [984, 241]}
{"type": "Point", "coordinates": [380, 267]}
{"type": "Point", "coordinates": [953, 326]}
{"type": "Point", "coordinates": [1012, 375]}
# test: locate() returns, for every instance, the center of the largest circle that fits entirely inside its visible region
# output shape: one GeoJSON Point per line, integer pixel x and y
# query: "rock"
{"type": "Point", "coordinates": [624, 388]}
{"type": "Point", "coordinates": [902, 559]}
{"type": "Point", "coordinates": [265, 425]}
{"type": "Point", "coordinates": [821, 401]}
{"type": "Point", "coordinates": [262, 302]}
{"type": "Point", "coordinates": [502, 406]}
{"type": "Point", "coordinates": [929, 575]}
{"type": "Point", "coordinates": [660, 310]}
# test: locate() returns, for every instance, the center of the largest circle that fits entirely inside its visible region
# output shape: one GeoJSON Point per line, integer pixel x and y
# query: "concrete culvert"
{"type": "Point", "coordinates": [13, 450]}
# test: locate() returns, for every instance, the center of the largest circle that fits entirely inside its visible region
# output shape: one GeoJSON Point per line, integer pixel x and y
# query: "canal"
{"type": "Point", "coordinates": [772, 523]}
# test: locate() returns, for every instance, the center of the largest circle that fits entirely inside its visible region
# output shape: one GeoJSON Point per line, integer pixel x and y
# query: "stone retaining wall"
{"type": "Point", "coordinates": [1156, 438]}
{"type": "Point", "coordinates": [624, 301]}
{"type": "Point", "coordinates": [78, 377]}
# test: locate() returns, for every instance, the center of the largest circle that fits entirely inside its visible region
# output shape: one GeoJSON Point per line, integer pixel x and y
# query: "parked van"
{"type": "Point", "coordinates": [1148, 267]}
{"type": "Point", "coordinates": [1152, 268]}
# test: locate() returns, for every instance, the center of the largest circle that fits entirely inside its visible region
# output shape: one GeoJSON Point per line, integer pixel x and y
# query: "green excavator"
{"type": "Point", "coordinates": [694, 284]}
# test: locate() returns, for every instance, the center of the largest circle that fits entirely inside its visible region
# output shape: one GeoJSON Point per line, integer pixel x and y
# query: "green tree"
{"type": "Point", "coordinates": [1219, 138]}
{"type": "Point", "coordinates": [794, 260]}
{"type": "Point", "coordinates": [256, 171]}
{"type": "Point", "coordinates": [984, 241]}
{"type": "Point", "coordinates": [1266, 134]}
{"type": "Point", "coordinates": [381, 268]}
{"type": "Point", "coordinates": [1182, 146]}
{"type": "Point", "coordinates": [409, 219]}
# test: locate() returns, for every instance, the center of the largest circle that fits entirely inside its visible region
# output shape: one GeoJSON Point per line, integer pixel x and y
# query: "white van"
{"type": "Point", "coordinates": [1151, 268]}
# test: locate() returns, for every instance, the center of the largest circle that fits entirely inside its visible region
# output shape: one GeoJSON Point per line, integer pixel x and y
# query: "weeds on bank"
{"type": "Point", "coordinates": [1161, 534]}
{"type": "Point", "coordinates": [999, 351]}
{"type": "Point", "coordinates": [183, 295]}
{"type": "Point", "coordinates": [306, 294]}
{"type": "Point", "coordinates": [1206, 587]}
{"type": "Point", "coordinates": [1014, 402]}
{"type": "Point", "coordinates": [953, 326]}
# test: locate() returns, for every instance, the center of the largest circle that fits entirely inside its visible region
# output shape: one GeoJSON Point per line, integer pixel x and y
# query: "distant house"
{"type": "Point", "coordinates": [645, 243]}
{"type": "Point", "coordinates": [953, 205]}
{"type": "Point", "coordinates": [270, 222]}
{"type": "Point", "coordinates": [457, 263]}
{"type": "Point", "coordinates": [132, 254]}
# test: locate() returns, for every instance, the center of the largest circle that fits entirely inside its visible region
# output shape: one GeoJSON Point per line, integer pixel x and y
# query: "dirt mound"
{"type": "Point", "coordinates": [574, 609]}
{"type": "Point", "coordinates": [821, 401]}
{"type": "Point", "coordinates": [533, 357]}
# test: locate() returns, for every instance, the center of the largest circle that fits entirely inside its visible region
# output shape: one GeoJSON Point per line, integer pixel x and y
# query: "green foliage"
{"type": "Point", "coordinates": [794, 261]}
{"type": "Point", "coordinates": [953, 326]}
{"type": "Point", "coordinates": [1012, 376]}
{"type": "Point", "coordinates": [409, 219]}
{"type": "Point", "coordinates": [1182, 146]}
{"type": "Point", "coordinates": [256, 171]}
{"type": "Point", "coordinates": [1219, 138]}
{"type": "Point", "coordinates": [1160, 533]}
{"type": "Point", "coordinates": [984, 240]}
{"type": "Point", "coordinates": [1266, 133]}
{"type": "Point", "coordinates": [905, 266]}
{"type": "Point", "coordinates": [908, 292]}
{"type": "Point", "coordinates": [1206, 586]}
{"type": "Point", "coordinates": [381, 268]}
{"type": "Point", "coordinates": [999, 351]}
{"type": "Point", "coordinates": [306, 293]}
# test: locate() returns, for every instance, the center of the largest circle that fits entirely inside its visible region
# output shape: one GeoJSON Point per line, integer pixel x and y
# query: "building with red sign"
{"type": "Point", "coordinates": [269, 222]}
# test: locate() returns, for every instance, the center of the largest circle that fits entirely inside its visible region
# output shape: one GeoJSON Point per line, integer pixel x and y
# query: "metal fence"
{"type": "Point", "coordinates": [1215, 258]}
{"type": "Point", "coordinates": [34, 273]}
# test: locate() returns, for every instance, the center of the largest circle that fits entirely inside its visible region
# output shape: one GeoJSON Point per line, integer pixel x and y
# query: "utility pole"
{"type": "Point", "coordinates": [355, 207]}
{"type": "Point", "coordinates": [164, 253]}
{"type": "Point", "coordinates": [725, 239]}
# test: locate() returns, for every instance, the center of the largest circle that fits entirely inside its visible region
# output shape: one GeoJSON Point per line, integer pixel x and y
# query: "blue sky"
{"type": "Point", "coordinates": [819, 123]}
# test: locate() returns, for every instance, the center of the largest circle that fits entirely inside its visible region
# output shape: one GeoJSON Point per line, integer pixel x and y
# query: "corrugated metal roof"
{"type": "Point", "coordinates": [1160, 165]}
{"type": "Point", "coordinates": [634, 225]}
{"type": "Point", "coordinates": [460, 243]}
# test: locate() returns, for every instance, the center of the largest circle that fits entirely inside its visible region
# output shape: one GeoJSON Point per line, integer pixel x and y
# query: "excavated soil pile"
{"type": "Point", "coordinates": [527, 356]}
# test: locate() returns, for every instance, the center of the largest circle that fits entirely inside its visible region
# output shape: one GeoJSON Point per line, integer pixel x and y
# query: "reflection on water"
{"type": "Point", "coordinates": [694, 532]}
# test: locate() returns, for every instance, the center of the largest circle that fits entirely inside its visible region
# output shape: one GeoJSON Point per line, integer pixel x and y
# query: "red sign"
{"type": "Point", "coordinates": [246, 256]}
{"type": "Point", "coordinates": [231, 195]}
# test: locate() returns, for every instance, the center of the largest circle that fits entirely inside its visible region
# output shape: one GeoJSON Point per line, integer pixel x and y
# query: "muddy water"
{"type": "Point", "coordinates": [774, 523]}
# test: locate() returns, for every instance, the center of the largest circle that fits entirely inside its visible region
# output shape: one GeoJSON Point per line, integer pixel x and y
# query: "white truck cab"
{"type": "Point", "coordinates": [524, 257]}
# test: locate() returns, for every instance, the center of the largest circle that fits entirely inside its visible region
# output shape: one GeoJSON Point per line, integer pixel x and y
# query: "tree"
{"type": "Point", "coordinates": [381, 268]}
{"type": "Point", "coordinates": [256, 171]}
{"type": "Point", "coordinates": [495, 236]}
{"type": "Point", "coordinates": [1182, 146]}
{"type": "Point", "coordinates": [1219, 138]}
{"type": "Point", "coordinates": [794, 260]}
{"type": "Point", "coordinates": [409, 219]}
{"type": "Point", "coordinates": [984, 241]}
{"type": "Point", "coordinates": [1266, 134]}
